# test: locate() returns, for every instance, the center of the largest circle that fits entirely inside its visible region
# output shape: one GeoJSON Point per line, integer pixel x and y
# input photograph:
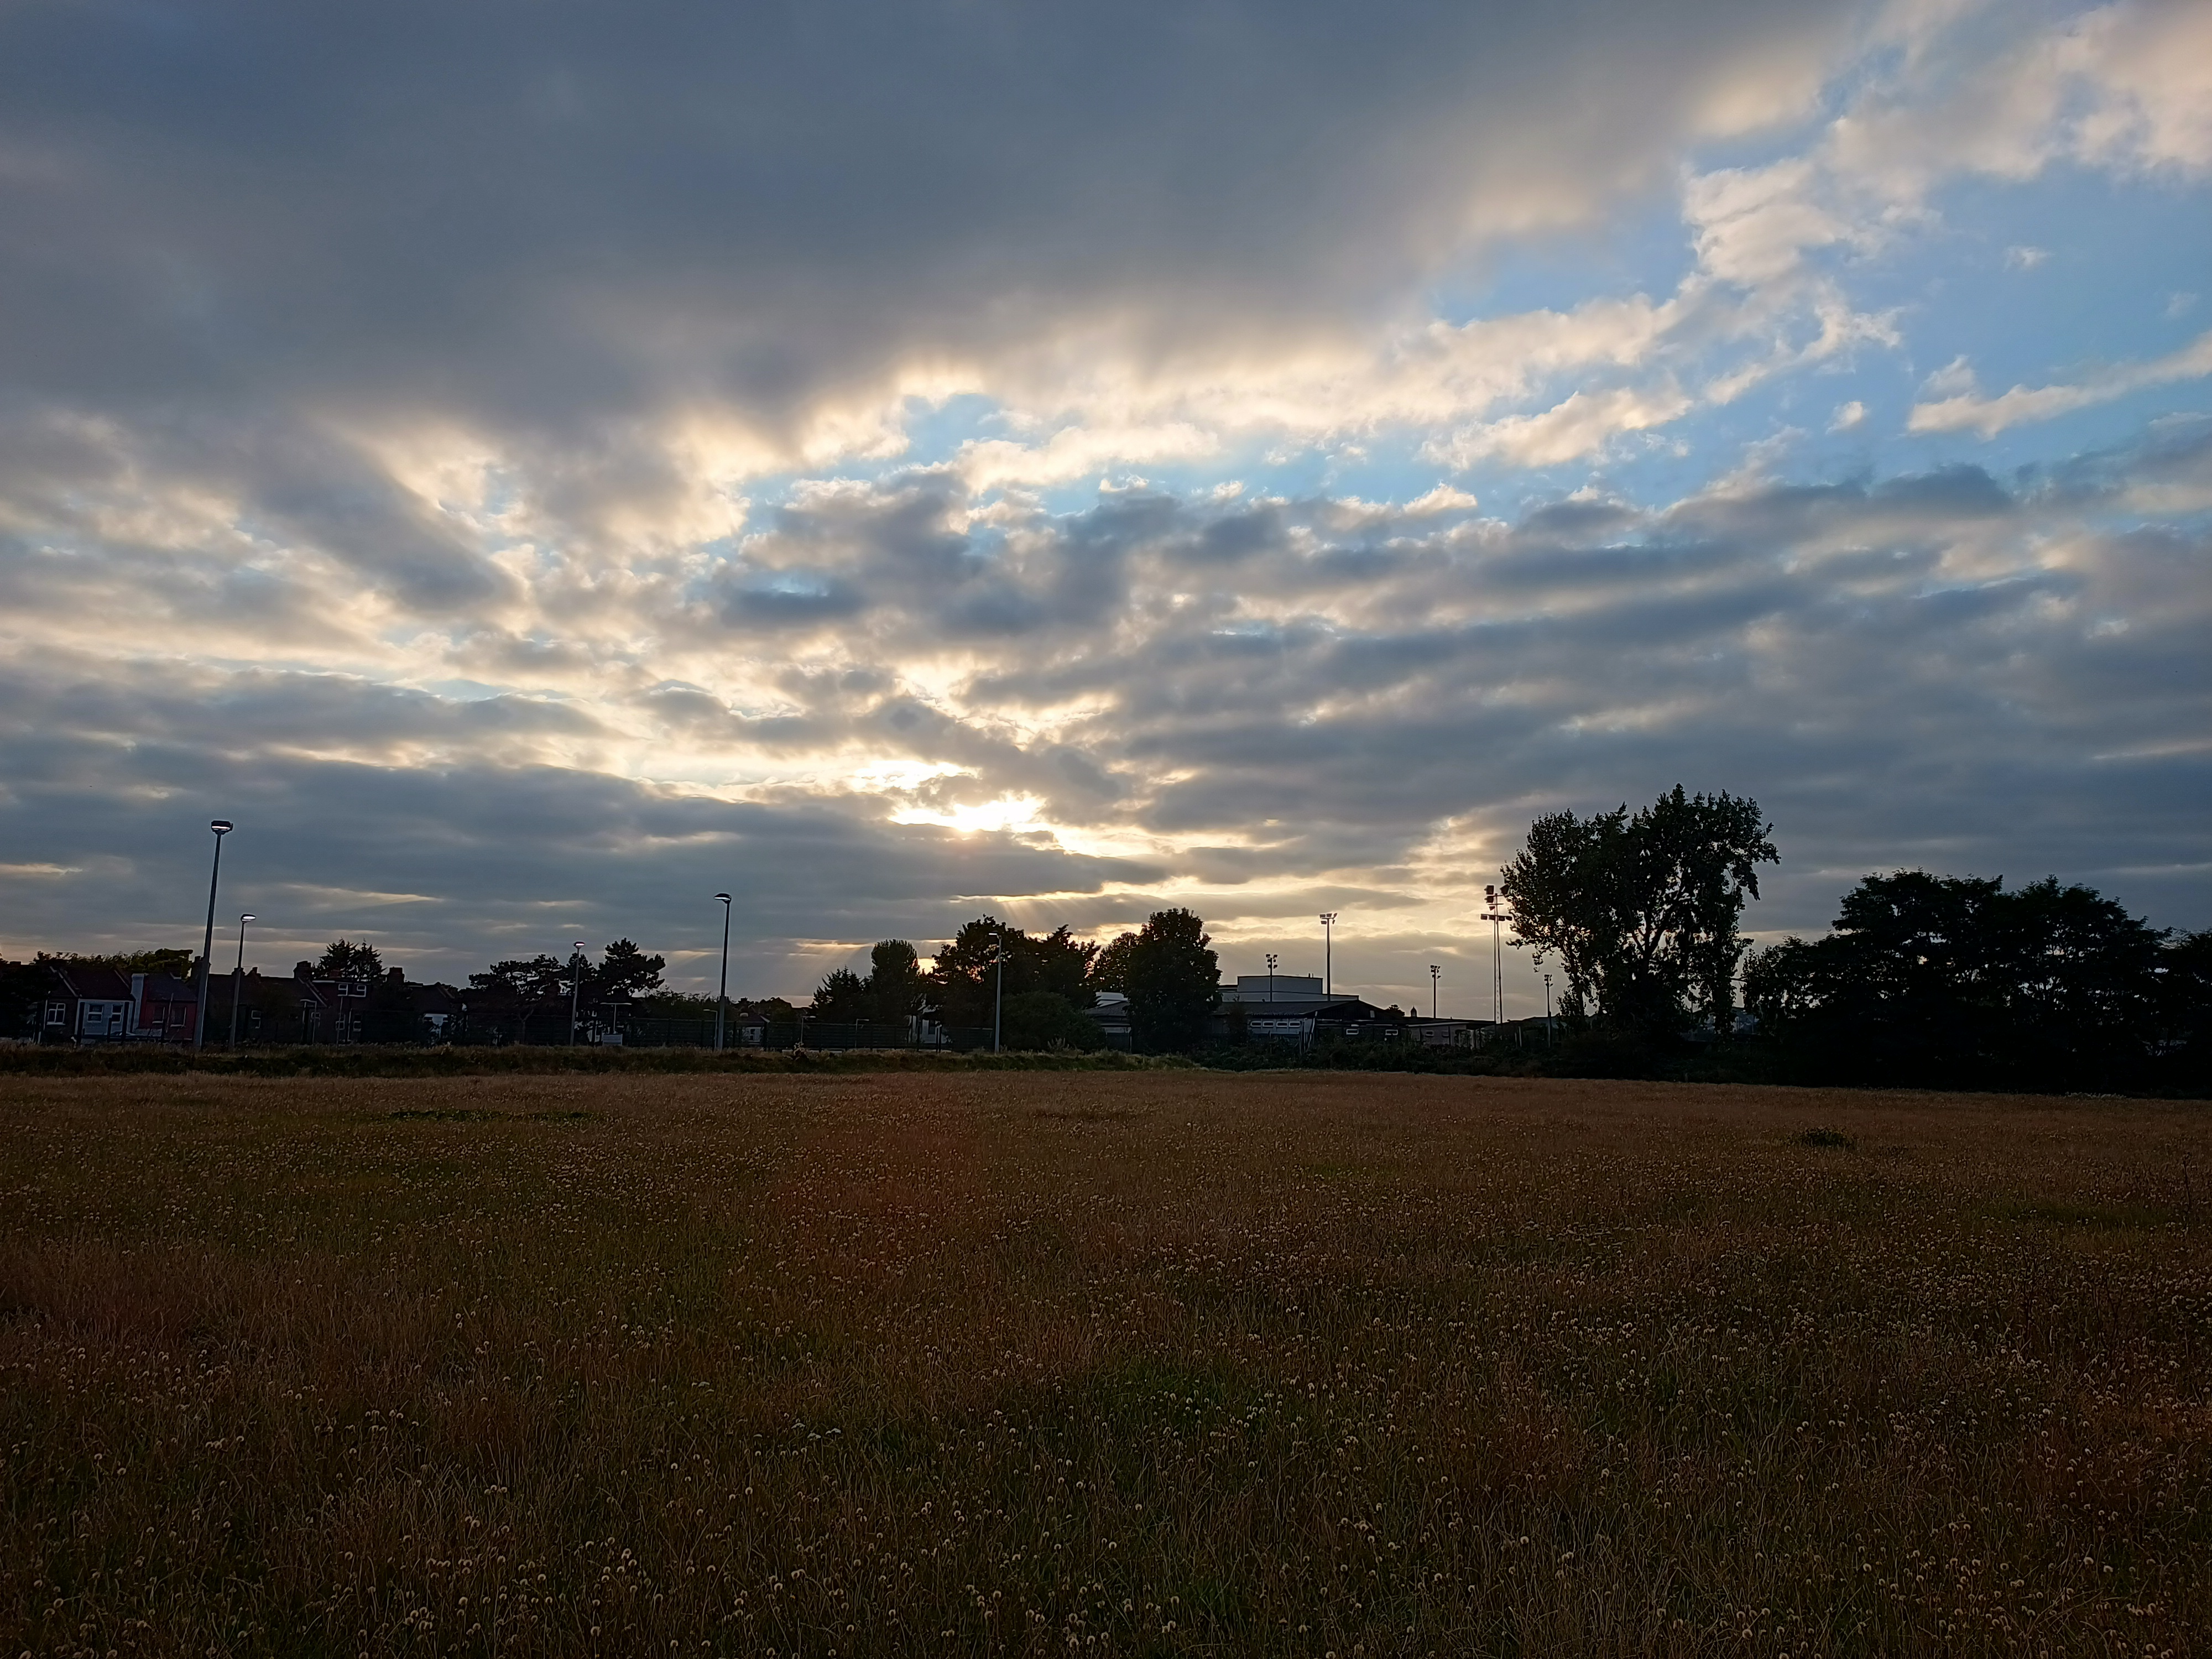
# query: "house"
{"type": "Point", "coordinates": [164, 1008]}
{"type": "Point", "coordinates": [87, 1004]}
{"type": "Point", "coordinates": [93, 1004]}
{"type": "Point", "coordinates": [331, 1009]}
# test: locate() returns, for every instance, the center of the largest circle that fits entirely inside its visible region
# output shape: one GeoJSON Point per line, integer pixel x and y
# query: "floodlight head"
{"type": "Point", "coordinates": [725, 897]}
{"type": "Point", "coordinates": [248, 917]}
{"type": "Point", "coordinates": [220, 826]}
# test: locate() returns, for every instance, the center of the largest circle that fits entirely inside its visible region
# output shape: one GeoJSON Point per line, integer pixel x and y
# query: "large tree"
{"type": "Point", "coordinates": [1951, 979]}
{"type": "Point", "coordinates": [1173, 982]}
{"type": "Point", "coordinates": [349, 959]}
{"type": "Point", "coordinates": [895, 986]}
{"type": "Point", "coordinates": [625, 971]}
{"type": "Point", "coordinates": [1110, 970]}
{"type": "Point", "coordinates": [964, 979]}
{"type": "Point", "coordinates": [1641, 910]}
{"type": "Point", "coordinates": [518, 988]}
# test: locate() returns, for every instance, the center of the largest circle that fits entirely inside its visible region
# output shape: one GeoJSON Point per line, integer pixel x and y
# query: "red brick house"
{"type": "Point", "coordinates": [99, 1004]}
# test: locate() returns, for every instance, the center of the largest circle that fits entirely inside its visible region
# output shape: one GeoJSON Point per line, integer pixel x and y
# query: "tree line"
{"type": "Point", "coordinates": [1043, 987]}
{"type": "Point", "coordinates": [1923, 980]}
{"type": "Point", "coordinates": [1928, 979]}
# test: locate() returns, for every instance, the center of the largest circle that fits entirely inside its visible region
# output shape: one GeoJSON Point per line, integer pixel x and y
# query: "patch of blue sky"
{"type": "Point", "coordinates": [2045, 281]}
{"type": "Point", "coordinates": [1643, 248]}
{"type": "Point", "coordinates": [935, 432]}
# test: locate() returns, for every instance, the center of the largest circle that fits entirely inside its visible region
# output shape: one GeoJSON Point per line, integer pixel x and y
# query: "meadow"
{"type": "Point", "coordinates": [1090, 1364]}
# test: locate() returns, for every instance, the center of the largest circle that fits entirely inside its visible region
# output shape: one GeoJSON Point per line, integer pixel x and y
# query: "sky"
{"type": "Point", "coordinates": [534, 465]}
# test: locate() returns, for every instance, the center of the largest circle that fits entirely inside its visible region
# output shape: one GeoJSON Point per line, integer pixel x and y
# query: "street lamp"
{"type": "Point", "coordinates": [1435, 973]}
{"type": "Point", "coordinates": [222, 828]}
{"type": "Point", "coordinates": [722, 991]}
{"type": "Point", "coordinates": [1328, 939]}
{"type": "Point", "coordinates": [1547, 1008]}
{"type": "Point", "coordinates": [1495, 914]}
{"type": "Point", "coordinates": [999, 997]}
{"type": "Point", "coordinates": [1272, 960]}
{"type": "Point", "coordinates": [575, 989]}
{"type": "Point", "coordinates": [238, 977]}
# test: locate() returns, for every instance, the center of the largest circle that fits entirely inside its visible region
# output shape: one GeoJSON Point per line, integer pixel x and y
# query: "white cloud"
{"type": "Point", "coordinates": [1442, 499]}
{"type": "Point", "coordinates": [1581, 425]}
{"type": "Point", "coordinates": [1848, 416]}
{"type": "Point", "coordinates": [1968, 411]}
{"type": "Point", "coordinates": [2025, 259]}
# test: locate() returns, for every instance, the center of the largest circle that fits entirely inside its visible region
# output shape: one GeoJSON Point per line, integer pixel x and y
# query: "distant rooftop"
{"type": "Point", "coordinates": [1258, 988]}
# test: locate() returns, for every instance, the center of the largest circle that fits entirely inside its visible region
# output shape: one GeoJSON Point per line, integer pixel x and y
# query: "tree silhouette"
{"type": "Point", "coordinates": [1641, 910]}
{"type": "Point", "coordinates": [1174, 981]}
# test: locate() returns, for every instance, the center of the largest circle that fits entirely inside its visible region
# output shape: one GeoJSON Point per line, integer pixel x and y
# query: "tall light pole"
{"type": "Point", "coordinates": [722, 990]}
{"type": "Point", "coordinates": [222, 828]}
{"type": "Point", "coordinates": [1495, 915]}
{"type": "Point", "coordinates": [575, 989]}
{"type": "Point", "coordinates": [1547, 1008]}
{"type": "Point", "coordinates": [1272, 960]}
{"type": "Point", "coordinates": [999, 997]}
{"type": "Point", "coordinates": [238, 977]}
{"type": "Point", "coordinates": [1435, 973]}
{"type": "Point", "coordinates": [1327, 940]}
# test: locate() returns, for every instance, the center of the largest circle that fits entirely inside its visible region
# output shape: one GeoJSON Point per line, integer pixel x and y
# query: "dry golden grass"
{"type": "Point", "coordinates": [1093, 1364]}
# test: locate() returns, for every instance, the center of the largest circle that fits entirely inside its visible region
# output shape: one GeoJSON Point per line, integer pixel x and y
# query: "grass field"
{"type": "Point", "coordinates": [1091, 1363]}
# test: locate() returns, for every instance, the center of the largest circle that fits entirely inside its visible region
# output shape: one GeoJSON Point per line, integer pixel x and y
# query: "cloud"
{"type": "Point", "coordinates": [1243, 728]}
{"type": "Point", "coordinates": [1967, 411]}
{"type": "Point", "coordinates": [1568, 430]}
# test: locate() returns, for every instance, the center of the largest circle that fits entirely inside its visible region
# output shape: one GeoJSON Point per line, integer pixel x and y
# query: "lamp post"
{"type": "Point", "coordinates": [722, 990]}
{"type": "Point", "coordinates": [1272, 960]}
{"type": "Point", "coordinates": [238, 977]}
{"type": "Point", "coordinates": [1328, 940]}
{"type": "Point", "coordinates": [1495, 915]}
{"type": "Point", "coordinates": [575, 989]}
{"type": "Point", "coordinates": [1548, 1009]}
{"type": "Point", "coordinates": [999, 997]}
{"type": "Point", "coordinates": [1435, 973]}
{"type": "Point", "coordinates": [222, 828]}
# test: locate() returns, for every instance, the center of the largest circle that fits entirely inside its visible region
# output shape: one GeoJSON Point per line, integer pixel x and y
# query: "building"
{"type": "Point", "coordinates": [1273, 988]}
{"type": "Point", "coordinates": [1112, 1013]}
{"type": "Point", "coordinates": [1302, 1019]}
{"type": "Point", "coordinates": [94, 1004]}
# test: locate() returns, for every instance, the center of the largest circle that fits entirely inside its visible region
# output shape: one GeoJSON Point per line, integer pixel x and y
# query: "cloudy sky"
{"type": "Point", "coordinates": [533, 464]}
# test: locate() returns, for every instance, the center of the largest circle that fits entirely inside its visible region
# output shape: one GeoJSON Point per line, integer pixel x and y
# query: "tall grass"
{"type": "Point", "coordinates": [1163, 1362]}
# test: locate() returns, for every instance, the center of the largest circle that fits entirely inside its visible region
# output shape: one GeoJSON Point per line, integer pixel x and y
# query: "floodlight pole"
{"type": "Point", "coordinates": [222, 828]}
{"type": "Point", "coordinates": [1496, 915]}
{"type": "Point", "coordinates": [1548, 1009]}
{"type": "Point", "coordinates": [722, 990]}
{"type": "Point", "coordinates": [1272, 960]}
{"type": "Point", "coordinates": [1435, 973]}
{"type": "Point", "coordinates": [238, 978]}
{"type": "Point", "coordinates": [575, 990]}
{"type": "Point", "coordinates": [1327, 964]}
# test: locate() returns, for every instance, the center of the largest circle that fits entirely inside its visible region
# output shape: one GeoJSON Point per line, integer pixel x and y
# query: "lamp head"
{"type": "Point", "coordinates": [725, 897]}
{"type": "Point", "coordinates": [220, 826]}
{"type": "Point", "coordinates": [248, 917]}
